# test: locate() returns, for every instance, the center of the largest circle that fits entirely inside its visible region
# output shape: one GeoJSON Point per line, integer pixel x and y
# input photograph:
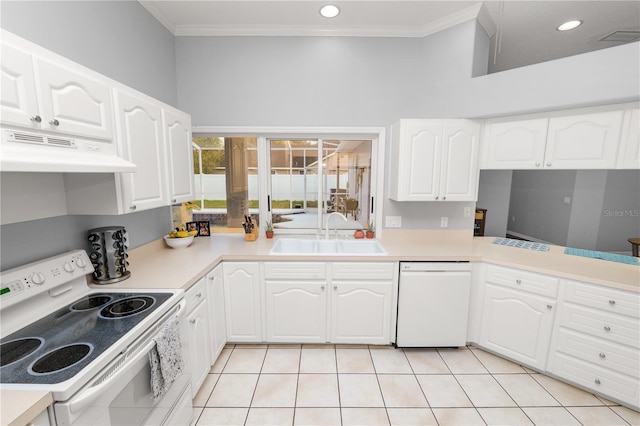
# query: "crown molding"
{"type": "Point", "coordinates": [477, 11]}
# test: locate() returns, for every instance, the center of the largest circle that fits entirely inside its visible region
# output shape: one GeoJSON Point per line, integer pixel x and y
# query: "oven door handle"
{"type": "Point", "coordinates": [87, 396]}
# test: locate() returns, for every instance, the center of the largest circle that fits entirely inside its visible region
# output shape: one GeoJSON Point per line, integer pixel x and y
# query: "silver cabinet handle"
{"type": "Point", "coordinates": [173, 201]}
{"type": "Point", "coordinates": [597, 381]}
{"type": "Point", "coordinates": [54, 122]}
{"type": "Point", "coordinates": [36, 119]}
{"type": "Point", "coordinates": [537, 164]}
{"type": "Point", "coordinates": [199, 294]}
{"type": "Point", "coordinates": [193, 321]}
{"type": "Point", "coordinates": [518, 281]}
{"type": "Point", "coordinates": [607, 328]}
{"type": "Point", "coordinates": [133, 207]}
{"type": "Point", "coordinates": [437, 197]}
{"type": "Point", "coordinates": [444, 198]}
{"type": "Point", "coordinates": [612, 302]}
{"type": "Point", "coordinates": [321, 287]}
{"type": "Point", "coordinates": [549, 306]}
{"type": "Point", "coordinates": [602, 355]}
{"type": "Point", "coordinates": [548, 164]}
{"type": "Point", "coordinates": [335, 287]}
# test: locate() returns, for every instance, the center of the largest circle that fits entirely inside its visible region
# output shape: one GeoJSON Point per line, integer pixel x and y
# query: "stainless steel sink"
{"type": "Point", "coordinates": [306, 247]}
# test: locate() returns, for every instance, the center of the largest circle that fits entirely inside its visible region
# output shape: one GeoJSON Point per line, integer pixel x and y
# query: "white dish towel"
{"type": "Point", "coordinates": [166, 358]}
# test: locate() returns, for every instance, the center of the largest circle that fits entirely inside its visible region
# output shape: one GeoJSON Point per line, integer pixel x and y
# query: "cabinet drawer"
{"type": "Point", "coordinates": [362, 270]}
{"type": "Point", "coordinates": [601, 380]}
{"type": "Point", "coordinates": [195, 295]}
{"type": "Point", "coordinates": [295, 270]}
{"type": "Point", "coordinates": [605, 298]}
{"type": "Point", "coordinates": [599, 352]}
{"type": "Point", "coordinates": [521, 280]}
{"type": "Point", "coordinates": [615, 328]}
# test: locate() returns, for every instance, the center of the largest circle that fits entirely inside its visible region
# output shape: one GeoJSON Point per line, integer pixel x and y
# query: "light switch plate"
{"type": "Point", "coordinates": [444, 222]}
{"type": "Point", "coordinates": [393, 221]}
{"type": "Point", "coordinates": [467, 211]}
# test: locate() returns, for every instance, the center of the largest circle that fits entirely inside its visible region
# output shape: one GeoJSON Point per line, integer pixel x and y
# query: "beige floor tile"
{"type": "Point", "coordinates": [354, 346]}
{"type": "Point", "coordinates": [411, 417]}
{"type": "Point", "coordinates": [270, 416]}
{"type": "Point", "coordinates": [631, 416]}
{"type": "Point", "coordinates": [359, 390]}
{"type": "Point", "coordinates": [401, 391]}
{"type": "Point", "coordinates": [245, 361]}
{"type": "Point", "coordinates": [354, 361]}
{"type": "Point", "coordinates": [596, 416]}
{"type": "Point", "coordinates": [318, 360]}
{"type": "Point", "coordinates": [317, 390]}
{"type": "Point", "coordinates": [233, 390]}
{"type": "Point", "coordinates": [525, 391]}
{"type": "Point", "coordinates": [457, 416]}
{"type": "Point", "coordinates": [566, 394]}
{"type": "Point", "coordinates": [317, 417]}
{"type": "Point", "coordinates": [281, 360]}
{"type": "Point", "coordinates": [426, 361]}
{"type": "Point", "coordinates": [205, 390]}
{"type": "Point", "coordinates": [318, 346]}
{"type": "Point", "coordinates": [443, 391]}
{"type": "Point", "coordinates": [219, 364]}
{"type": "Point", "coordinates": [222, 416]}
{"type": "Point", "coordinates": [484, 391]}
{"type": "Point", "coordinates": [230, 345]}
{"type": "Point", "coordinates": [195, 416]}
{"type": "Point", "coordinates": [606, 401]}
{"type": "Point", "coordinates": [364, 417]}
{"type": "Point", "coordinates": [390, 361]}
{"type": "Point", "coordinates": [251, 346]}
{"type": "Point", "coordinates": [461, 361]}
{"type": "Point", "coordinates": [285, 346]}
{"type": "Point", "coordinates": [495, 364]}
{"type": "Point", "coordinates": [504, 416]}
{"type": "Point", "coordinates": [276, 390]}
{"type": "Point", "coordinates": [550, 416]}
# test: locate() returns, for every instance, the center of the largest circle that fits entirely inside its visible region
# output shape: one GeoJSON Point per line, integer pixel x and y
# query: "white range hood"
{"type": "Point", "coordinates": [38, 152]}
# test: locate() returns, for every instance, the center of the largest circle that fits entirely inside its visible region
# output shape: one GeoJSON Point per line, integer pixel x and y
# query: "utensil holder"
{"type": "Point", "coordinates": [251, 236]}
{"type": "Point", "coordinates": [108, 254]}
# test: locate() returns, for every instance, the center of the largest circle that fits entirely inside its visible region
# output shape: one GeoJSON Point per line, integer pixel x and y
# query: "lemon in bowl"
{"type": "Point", "coordinates": [177, 242]}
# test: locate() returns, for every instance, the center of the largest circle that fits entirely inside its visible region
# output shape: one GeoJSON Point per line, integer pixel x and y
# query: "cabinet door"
{"type": "Point", "coordinates": [179, 156]}
{"type": "Point", "coordinates": [630, 146]}
{"type": "Point", "coordinates": [200, 364]}
{"type": "Point", "coordinates": [517, 325]}
{"type": "Point", "coordinates": [18, 95]}
{"type": "Point", "coordinates": [217, 318]}
{"type": "Point", "coordinates": [242, 301]}
{"type": "Point", "coordinates": [588, 141]}
{"type": "Point", "coordinates": [517, 144]}
{"type": "Point", "coordinates": [459, 176]}
{"type": "Point", "coordinates": [141, 142]}
{"type": "Point", "coordinates": [296, 312]}
{"type": "Point", "coordinates": [73, 102]}
{"type": "Point", "coordinates": [361, 312]}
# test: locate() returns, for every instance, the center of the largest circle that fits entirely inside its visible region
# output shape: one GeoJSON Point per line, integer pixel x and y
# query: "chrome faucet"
{"type": "Point", "coordinates": [326, 223]}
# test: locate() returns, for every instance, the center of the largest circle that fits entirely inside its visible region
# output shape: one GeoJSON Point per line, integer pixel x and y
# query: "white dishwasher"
{"type": "Point", "coordinates": [433, 304]}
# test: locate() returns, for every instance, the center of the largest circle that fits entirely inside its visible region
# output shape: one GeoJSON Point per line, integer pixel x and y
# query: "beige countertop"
{"type": "Point", "coordinates": [155, 265]}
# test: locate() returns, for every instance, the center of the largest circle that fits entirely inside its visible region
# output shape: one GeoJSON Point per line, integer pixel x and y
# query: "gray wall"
{"type": "Point", "coordinates": [620, 213]}
{"type": "Point", "coordinates": [121, 40]}
{"type": "Point", "coordinates": [494, 193]}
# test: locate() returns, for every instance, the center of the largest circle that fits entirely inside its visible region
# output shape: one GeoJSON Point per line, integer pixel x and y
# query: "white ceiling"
{"type": "Point", "coordinates": [528, 28]}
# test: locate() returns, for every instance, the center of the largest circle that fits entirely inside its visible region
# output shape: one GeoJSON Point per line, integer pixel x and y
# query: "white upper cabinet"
{"type": "Point", "coordinates": [517, 144]}
{"type": "Point", "coordinates": [595, 138]}
{"type": "Point", "coordinates": [60, 99]}
{"type": "Point", "coordinates": [177, 127]}
{"type": "Point", "coordinates": [588, 141]}
{"type": "Point", "coordinates": [141, 142]}
{"type": "Point", "coordinates": [629, 157]}
{"type": "Point", "coordinates": [434, 160]}
{"type": "Point", "coordinates": [18, 95]}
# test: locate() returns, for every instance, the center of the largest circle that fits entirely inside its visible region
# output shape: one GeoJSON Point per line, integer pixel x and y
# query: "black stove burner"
{"type": "Point", "coordinates": [127, 307]}
{"type": "Point", "coordinates": [61, 358]}
{"type": "Point", "coordinates": [90, 303]}
{"type": "Point", "coordinates": [15, 350]}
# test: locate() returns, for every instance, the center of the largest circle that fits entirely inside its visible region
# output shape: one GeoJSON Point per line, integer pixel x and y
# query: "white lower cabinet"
{"type": "Point", "coordinates": [217, 316]}
{"type": "Point", "coordinates": [338, 302]}
{"type": "Point", "coordinates": [198, 344]}
{"type": "Point", "coordinates": [242, 301]}
{"type": "Point", "coordinates": [596, 341]}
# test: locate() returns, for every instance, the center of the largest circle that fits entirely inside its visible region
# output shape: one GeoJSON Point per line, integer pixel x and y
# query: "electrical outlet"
{"type": "Point", "coordinates": [444, 222]}
{"type": "Point", "coordinates": [393, 221]}
{"type": "Point", "coordinates": [567, 200]}
{"type": "Point", "coordinates": [467, 211]}
{"type": "Point", "coordinates": [513, 218]}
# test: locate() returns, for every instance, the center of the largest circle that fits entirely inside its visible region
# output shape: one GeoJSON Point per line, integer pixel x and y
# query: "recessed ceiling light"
{"type": "Point", "coordinates": [569, 25]}
{"type": "Point", "coordinates": [329, 11]}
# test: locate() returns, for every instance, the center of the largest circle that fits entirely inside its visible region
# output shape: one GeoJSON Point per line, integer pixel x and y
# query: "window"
{"type": "Point", "coordinates": [300, 181]}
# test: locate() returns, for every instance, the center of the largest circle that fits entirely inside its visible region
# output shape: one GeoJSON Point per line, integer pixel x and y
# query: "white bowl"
{"type": "Point", "coordinates": [178, 243]}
